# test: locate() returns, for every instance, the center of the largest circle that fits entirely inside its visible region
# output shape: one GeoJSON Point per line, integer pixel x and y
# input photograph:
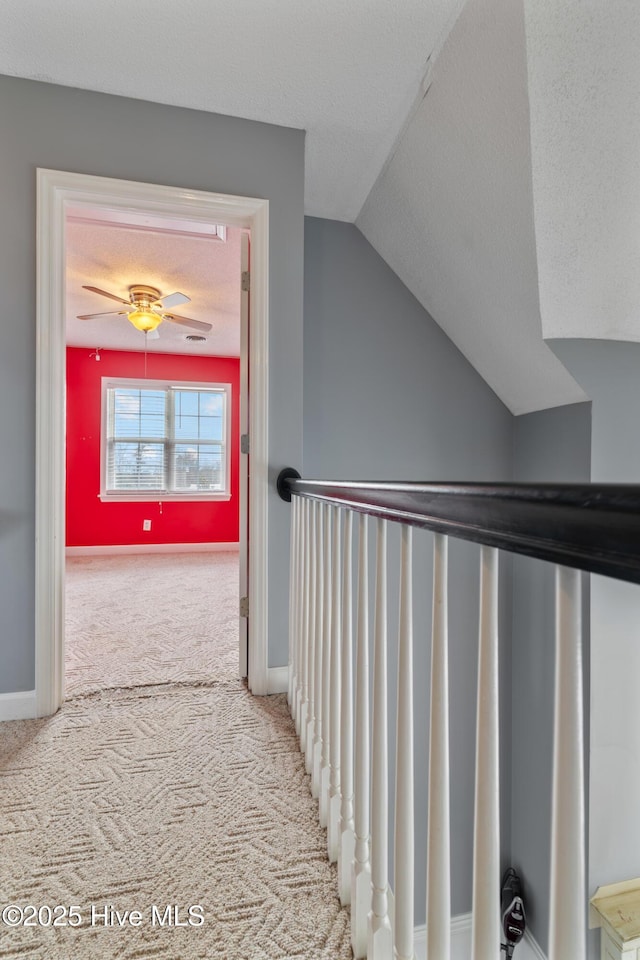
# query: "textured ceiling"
{"type": "Point", "coordinates": [347, 73]}
{"type": "Point", "coordinates": [584, 89]}
{"type": "Point", "coordinates": [114, 257]}
{"type": "Point", "coordinates": [453, 211]}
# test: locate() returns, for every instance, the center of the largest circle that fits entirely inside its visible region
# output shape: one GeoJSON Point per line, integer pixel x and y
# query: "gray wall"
{"type": "Point", "coordinates": [75, 130]}
{"type": "Point", "coordinates": [552, 446]}
{"type": "Point", "coordinates": [608, 372]}
{"type": "Point", "coordinates": [388, 396]}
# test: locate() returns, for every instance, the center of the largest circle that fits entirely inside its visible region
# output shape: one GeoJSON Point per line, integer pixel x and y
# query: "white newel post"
{"type": "Point", "coordinates": [380, 941]}
{"type": "Point", "coordinates": [567, 922]}
{"type": "Point", "coordinates": [404, 813]}
{"type": "Point", "coordinates": [438, 827]}
{"type": "Point", "coordinates": [347, 837]}
{"type": "Point", "coordinates": [311, 653]}
{"type": "Point", "coordinates": [333, 817]}
{"type": "Point", "coordinates": [486, 853]}
{"type": "Point", "coordinates": [319, 643]}
{"type": "Point", "coordinates": [327, 627]}
{"type": "Point", "coordinates": [361, 880]}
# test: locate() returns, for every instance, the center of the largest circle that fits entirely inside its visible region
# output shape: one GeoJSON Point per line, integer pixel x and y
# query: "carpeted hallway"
{"type": "Point", "coordinates": [181, 794]}
{"type": "Point", "coordinates": [146, 619]}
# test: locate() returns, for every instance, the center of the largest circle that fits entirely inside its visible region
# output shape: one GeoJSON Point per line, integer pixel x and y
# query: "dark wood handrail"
{"type": "Point", "coordinates": [592, 527]}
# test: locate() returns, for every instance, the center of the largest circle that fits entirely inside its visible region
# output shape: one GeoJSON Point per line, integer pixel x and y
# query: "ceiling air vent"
{"type": "Point", "coordinates": [195, 338]}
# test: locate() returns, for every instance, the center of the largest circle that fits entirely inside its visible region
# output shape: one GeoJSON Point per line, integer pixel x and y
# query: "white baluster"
{"type": "Point", "coordinates": [293, 610]}
{"type": "Point", "coordinates": [312, 554]}
{"type": "Point", "coordinates": [438, 830]}
{"type": "Point", "coordinates": [404, 817]}
{"type": "Point", "coordinates": [361, 880]}
{"type": "Point", "coordinates": [333, 817]}
{"type": "Point", "coordinates": [486, 853]}
{"type": "Point", "coordinates": [299, 616]}
{"type": "Point", "coordinates": [380, 941]}
{"type": "Point", "coordinates": [316, 773]}
{"type": "Point", "coordinates": [304, 621]}
{"type": "Point", "coordinates": [347, 837]}
{"type": "Point", "coordinates": [327, 627]}
{"type": "Point", "coordinates": [567, 922]}
{"type": "Point", "coordinates": [296, 679]}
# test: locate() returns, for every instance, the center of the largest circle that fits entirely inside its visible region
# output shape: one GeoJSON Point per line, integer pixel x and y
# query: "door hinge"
{"type": "Point", "coordinates": [244, 606]}
{"type": "Point", "coordinates": [245, 282]}
{"type": "Point", "coordinates": [244, 443]}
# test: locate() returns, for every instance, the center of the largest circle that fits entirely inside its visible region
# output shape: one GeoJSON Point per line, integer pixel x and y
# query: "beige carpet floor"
{"type": "Point", "coordinates": [165, 795]}
{"type": "Point", "coordinates": [159, 618]}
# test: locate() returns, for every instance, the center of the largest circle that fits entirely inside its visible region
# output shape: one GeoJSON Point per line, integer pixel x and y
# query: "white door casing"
{"type": "Point", "coordinates": [243, 534]}
{"type": "Point", "coordinates": [56, 190]}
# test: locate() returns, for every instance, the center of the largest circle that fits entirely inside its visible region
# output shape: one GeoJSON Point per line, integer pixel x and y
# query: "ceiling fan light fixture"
{"type": "Point", "coordinates": [146, 309]}
{"type": "Point", "coordinates": [145, 320]}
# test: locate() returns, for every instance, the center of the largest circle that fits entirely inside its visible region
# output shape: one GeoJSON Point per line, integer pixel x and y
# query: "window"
{"type": "Point", "coordinates": [165, 440]}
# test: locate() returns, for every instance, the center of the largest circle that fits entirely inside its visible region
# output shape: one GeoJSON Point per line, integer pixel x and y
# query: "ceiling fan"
{"type": "Point", "coordinates": [146, 309]}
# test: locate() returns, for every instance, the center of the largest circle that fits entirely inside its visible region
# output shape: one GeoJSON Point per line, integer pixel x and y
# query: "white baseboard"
{"type": "Point", "coordinates": [460, 938]}
{"type": "Point", "coordinates": [531, 949]}
{"type": "Point", "coordinates": [18, 706]}
{"type": "Point", "coordinates": [528, 949]}
{"type": "Point", "coordinates": [109, 550]}
{"type": "Point", "coordinates": [278, 679]}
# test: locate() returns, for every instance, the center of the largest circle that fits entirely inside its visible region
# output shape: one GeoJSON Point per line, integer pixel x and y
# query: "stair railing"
{"type": "Point", "coordinates": [593, 528]}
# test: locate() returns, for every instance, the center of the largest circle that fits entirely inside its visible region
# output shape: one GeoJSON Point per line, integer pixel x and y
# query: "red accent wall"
{"type": "Point", "coordinates": [91, 522]}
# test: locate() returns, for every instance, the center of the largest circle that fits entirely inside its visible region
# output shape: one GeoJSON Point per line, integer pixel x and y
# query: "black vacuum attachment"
{"type": "Point", "coordinates": [513, 918]}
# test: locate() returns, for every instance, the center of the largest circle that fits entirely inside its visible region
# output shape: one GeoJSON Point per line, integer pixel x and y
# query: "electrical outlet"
{"type": "Point", "coordinates": [146, 525]}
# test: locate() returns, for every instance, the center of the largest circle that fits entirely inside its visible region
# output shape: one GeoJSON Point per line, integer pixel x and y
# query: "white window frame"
{"type": "Point", "coordinates": [125, 496]}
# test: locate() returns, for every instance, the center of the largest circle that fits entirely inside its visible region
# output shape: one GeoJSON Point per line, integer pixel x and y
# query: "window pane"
{"type": "Point", "coordinates": [136, 466]}
{"type": "Point", "coordinates": [187, 428]}
{"type": "Point", "coordinates": [186, 402]}
{"type": "Point", "coordinates": [198, 415]}
{"type": "Point", "coordinates": [212, 404]}
{"type": "Point", "coordinates": [197, 467]}
{"type": "Point", "coordinates": [212, 408]}
{"type": "Point", "coordinates": [138, 413]}
{"type": "Point", "coordinates": [210, 428]}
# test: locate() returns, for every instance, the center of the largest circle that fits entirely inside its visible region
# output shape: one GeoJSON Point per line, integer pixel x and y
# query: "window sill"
{"type": "Point", "coordinates": [161, 497]}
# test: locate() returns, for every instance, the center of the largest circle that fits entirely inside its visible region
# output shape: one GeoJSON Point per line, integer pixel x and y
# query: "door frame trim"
{"type": "Point", "coordinates": [57, 190]}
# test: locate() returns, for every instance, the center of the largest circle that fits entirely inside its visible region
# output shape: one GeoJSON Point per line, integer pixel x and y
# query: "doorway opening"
{"type": "Point", "coordinates": [153, 450]}
{"type": "Point", "coordinates": [63, 200]}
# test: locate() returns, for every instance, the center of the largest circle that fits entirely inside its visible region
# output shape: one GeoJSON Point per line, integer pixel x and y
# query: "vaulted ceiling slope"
{"type": "Point", "coordinates": [452, 213]}
{"type": "Point", "coordinates": [346, 72]}
{"type": "Point", "coordinates": [584, 89]}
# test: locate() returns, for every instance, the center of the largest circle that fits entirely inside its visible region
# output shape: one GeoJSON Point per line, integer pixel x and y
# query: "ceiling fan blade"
{"type": "Point", "coordinates": [92, 316]}
{"type": "Point", "coordinates": [103, 293]}
{"type": "Point", "coordinates": [153, 335]}
{"type": "Point", "coordinates": [187, 322]}
{"type": "Point", "coordinates": [173, 300]}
